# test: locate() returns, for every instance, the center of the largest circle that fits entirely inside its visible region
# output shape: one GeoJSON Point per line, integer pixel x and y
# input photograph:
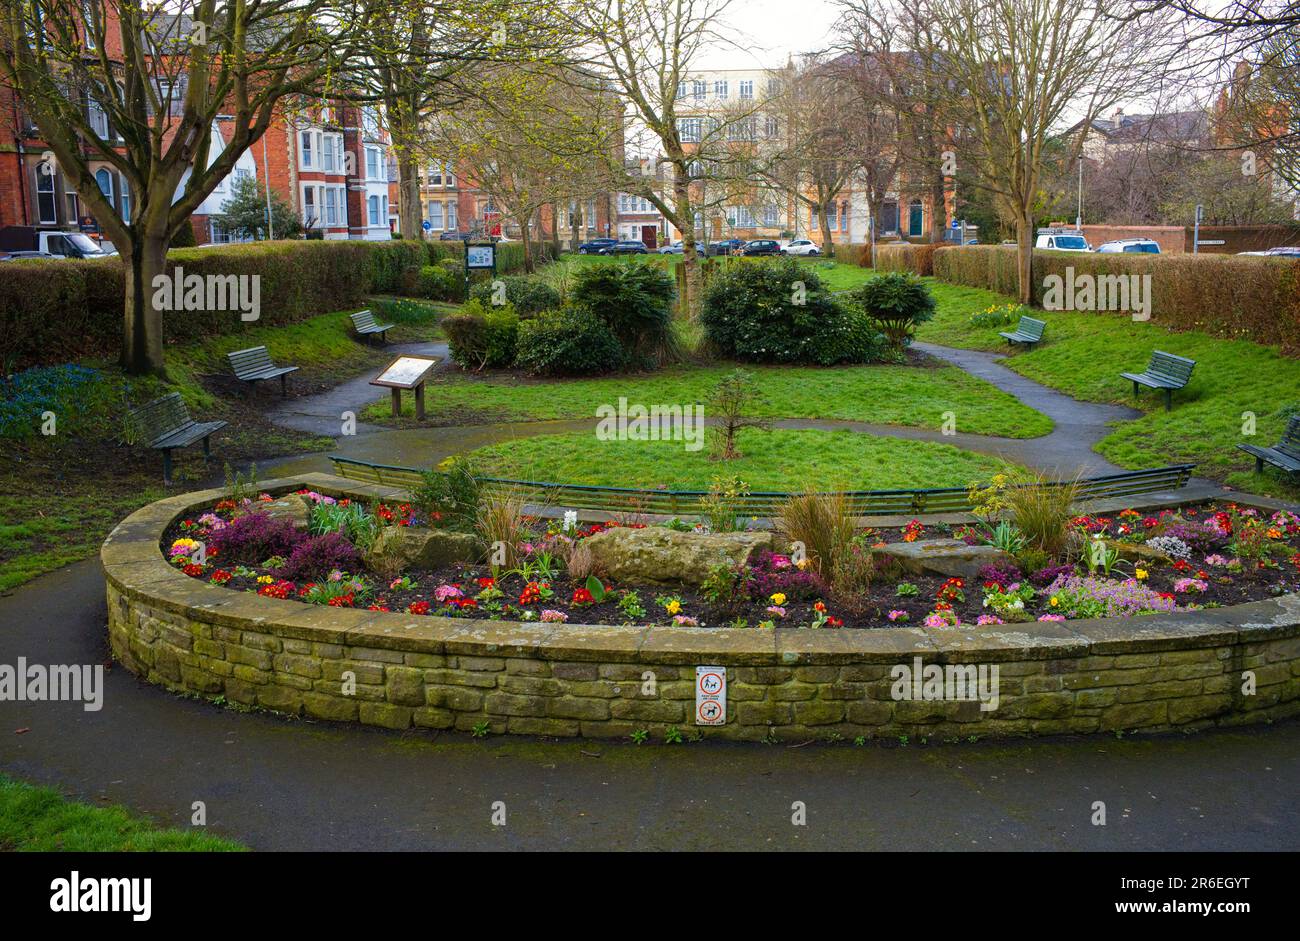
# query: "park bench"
{"type": "Point", "coordinates": [1165, 371]}
{"type": "Point", "coordinates": [164, 424]}
{"type": "Point", "coordinates": [364, 323]}
{"type": "Point", "coordinates": [254, 365]}
{"type": "Point", "coordinates": [1285, 454]}
{"type": "Point", "coordinates": [1029, 331]}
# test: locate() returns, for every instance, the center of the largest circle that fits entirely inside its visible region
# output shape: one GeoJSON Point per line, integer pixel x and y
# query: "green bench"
{"type": "Point", "coordinates": [1285, 454]}
{"type": "Point", "coordinates": [1166, 372]}
{"type": "Point", "coordinates": [363, 321]}
{"type": "Point", "coordinates": [254, 364]}
{"type": "Point", "coordinates": [164, 424]}
{"type": "Point", "coordinates": [1029, 331]}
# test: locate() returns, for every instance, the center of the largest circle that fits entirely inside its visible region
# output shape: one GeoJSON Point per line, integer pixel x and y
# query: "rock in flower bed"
{"type": "Point", "coordinates": [387, 557]}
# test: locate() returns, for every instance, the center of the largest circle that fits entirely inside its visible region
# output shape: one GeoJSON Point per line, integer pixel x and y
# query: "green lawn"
{"type": "Point", "coordinates": [776, 460]}
{"type": "Point", "coordinates": [894, 395]}
{"type": "Point", "coordinates": [38, 819]}
{"type": "Point", "coordinates": [1083, 355]}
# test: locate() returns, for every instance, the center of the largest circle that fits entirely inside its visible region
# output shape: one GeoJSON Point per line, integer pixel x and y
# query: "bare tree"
{"type": "Point", "coordinates": [1016, 69]}
{"type": "Point", "coordinates": [139, 88]}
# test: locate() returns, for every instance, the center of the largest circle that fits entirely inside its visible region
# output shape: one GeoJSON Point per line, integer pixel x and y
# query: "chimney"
{"type": "Point", "coordinates": [1118, 116]}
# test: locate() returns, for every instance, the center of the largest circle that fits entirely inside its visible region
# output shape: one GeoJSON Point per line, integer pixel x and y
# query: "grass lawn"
{"type": "Point", "coordinates": [894, 395]}
{"type": "Point", "coordinates": [1083, 355]}
{"type": "Point", "coordinates": [60, 495]}
{"type": "Point", "coordinates": [775, 460]}
{"type": "Point", "coordinates": [38, 819]}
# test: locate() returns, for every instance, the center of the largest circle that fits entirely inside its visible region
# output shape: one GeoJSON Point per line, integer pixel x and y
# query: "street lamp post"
{"type": "Point", "coordinates": [1078, 217]}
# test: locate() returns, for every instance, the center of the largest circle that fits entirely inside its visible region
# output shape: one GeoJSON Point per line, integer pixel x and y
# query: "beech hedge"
{"type": "Point", "coordinates": [1232, 296]}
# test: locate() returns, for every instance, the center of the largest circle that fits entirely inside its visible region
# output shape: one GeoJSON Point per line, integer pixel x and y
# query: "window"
{"type": "Point", "coordinates": [124, 200]}
{"type": "Point", "coordinates": [771, 127]}
{"type": "Point", "coordinates": [741, 130]}
{"type": "Point", "coordinates": [330, 153]}
{"type": "Point", "coordinates": [451, 215]}
{"type": "Point", "coordinates": [98, 119]}
{"type": "Point", "coordinates": [74, 207]}
{"type": "Point", "coordinates": [681, 90]}
{"type": "Point", "coordinates": [695, 170]}
{"type": "Point", "coordinates": [370, 123]}
{"type": "Point", "coordinates": [720, 89]}
{"type": "Point", "coordinates": [47, 208]}
{"type": "Point", "coordinates": [308, 160]}
{"type": "Point", "coordinates": [747, 89]}
{"type": "Point", "coordinates": [331, 206]}
{"type": "Point", "coordinates": [770, 216]}
{"type": "Point", "coordinates": [773, 86]}
{"type": "Point", "coordinates": [309, 215]}
{"type": "Point", "coordinates": [435, 215]}
{"type": "Point", "coordinates": [744, 217]}
{"type": "Point", "coordinates": [242, 173]}
{"type": "Point", "coordinates": [373, 203]}
{"type": "Point", "coordinates": [372, 164]}
{"type": "Point", "coordinates": [688, 129]}
{"type": "Point", "coordinates": [698, 88]}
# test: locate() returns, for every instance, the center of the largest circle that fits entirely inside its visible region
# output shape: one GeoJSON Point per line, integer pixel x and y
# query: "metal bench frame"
{"type": "Point", "coordinates": [1165, 372]}
{"type": "Point", "coordinates": [165, 423]}
{"type": "Point", "coordinates": [1284, 455]}
{"type": "Point", "coordinates": [254, 365]}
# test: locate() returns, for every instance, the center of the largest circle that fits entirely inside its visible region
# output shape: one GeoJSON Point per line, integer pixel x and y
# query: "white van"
{"type": "Point", "coordinates": [1062, 240]}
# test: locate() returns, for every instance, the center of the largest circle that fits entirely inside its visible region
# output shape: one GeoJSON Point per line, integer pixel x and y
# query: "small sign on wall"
{"type": "Point", "coordinates": [710, 695]}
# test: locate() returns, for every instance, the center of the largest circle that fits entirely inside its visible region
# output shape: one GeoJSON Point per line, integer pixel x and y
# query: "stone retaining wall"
{"type": "Point", "coordinates": [1157, 673]}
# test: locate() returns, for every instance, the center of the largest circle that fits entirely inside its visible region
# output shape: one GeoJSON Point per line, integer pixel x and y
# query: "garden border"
{"type": "Point", "coordinates": [1154, 673]}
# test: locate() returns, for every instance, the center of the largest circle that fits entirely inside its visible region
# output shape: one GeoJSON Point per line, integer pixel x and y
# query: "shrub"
{"type": "Point", "coordinates": [501, 524]}
{"type": "Point", "coordinates": [482, 336]}
{"type": "Point", "coordinates": [317, 556]}
{"type": "Point", "coordinates": [351, 519]}
{"type": "Point", "coordinates": [568, 343]}
{"type": "Point", "coordinates": [437, 283]}
{"type": "Point", "coordinates": [897, 302]}
{"type": "Point", "coordinates": [451, 494]}
{"type": "Point", "coordinates": [636, 302]}
{"type": "Point", "coordinates": [823, 523]}
{"type": "Point", "coordinates": [528, 294]}
{"type": "Point", "coordinates": [776, 312]}
{"type": "Point", "coordinates": [253, 537]}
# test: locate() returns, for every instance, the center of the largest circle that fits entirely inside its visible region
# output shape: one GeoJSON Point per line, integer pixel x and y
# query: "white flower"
{"type": "Point", "coordinates": [570, 520]}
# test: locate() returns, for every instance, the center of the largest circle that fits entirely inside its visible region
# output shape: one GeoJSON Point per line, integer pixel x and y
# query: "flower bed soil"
{"type": "Point", "coordinates": [1211, 578]}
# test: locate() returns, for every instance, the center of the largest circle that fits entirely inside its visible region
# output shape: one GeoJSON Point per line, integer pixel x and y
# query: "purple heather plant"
{"type": "Point", "coordinates": [316, 556]}
{"type": "Point", "coordinates": [1044, 577]}
{"type": "Point", "coordinates": [1201, 535]}
{"type": "Point", "coordinates": [254, 537]}
{"type": "Point", "coordinates": [1002, 575]}
{"type": "Point", "coordinates": [770, 573]}
{"type": "Point", "coordinates": [1091, 597]}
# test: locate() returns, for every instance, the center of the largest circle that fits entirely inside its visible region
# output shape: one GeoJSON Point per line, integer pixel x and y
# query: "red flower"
{"type": "Point", "coordinates": [221, 576]}
{"type": "Point", "coordinates": [819, 608]}
{"type": "Point", "coordinates": [487, 583]}
{"type": "Point", "coordinates": [582, 596]}
{"type": "Point", "coordinates": [418, 607]}
{"type": "Point", "coordinates": [192, 570]}
{"type": "Point", "coordinates": [531, 594]}
{"type": "Point", "coordinates": [834, 622]}
{"type": "Point", "coordinates": [279, 589]}
{"type": "Point", "coordinates": [378, 607]}
{"type": "Point", "coordinates": [341, 601]}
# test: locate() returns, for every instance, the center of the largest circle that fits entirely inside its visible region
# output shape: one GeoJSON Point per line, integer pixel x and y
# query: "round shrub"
{"type": "Point", "coordinates": [436, 283]}
{"type": "Point", "coordinates": [482, 336]}
{"type": "Point", "coordinates": [317, 556]}
{"type": "Point", "coordinates": [568, 343]}
{"type": "Point", "coordinates": [776, 312]}
{"type": "Point", "coordinates": [635, 301]}
{"type": "Point", "coordinates": [897, 302]}
{"type": "Point", "coordinates": [528, 295]}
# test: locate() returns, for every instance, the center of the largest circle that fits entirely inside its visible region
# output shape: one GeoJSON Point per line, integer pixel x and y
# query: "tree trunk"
{"type": "Point", "coordinates": [408, 195]}
{"type": "Point", "coordinates": [528, 245]}
{"type": "Point", "coordinates": [142, 330]}
{"type": "Point", "coordinates": [940, 209]}
{"type": "Point", "coordinates": [823, 223]}
{"type": "Point", "coordinates": [685, 223]}
{"type": "Point", "coordinates": [1025, 256]}
{"type": "Point", "coordinates": [555, 230]}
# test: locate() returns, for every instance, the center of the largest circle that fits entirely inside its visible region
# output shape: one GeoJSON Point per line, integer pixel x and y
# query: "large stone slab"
{"type": "Point", "coordinates": [662, 556]}
{"type": "Point", "coordinates": [406, 547]}
{"type": "Point", "coordinates": [947, 557]}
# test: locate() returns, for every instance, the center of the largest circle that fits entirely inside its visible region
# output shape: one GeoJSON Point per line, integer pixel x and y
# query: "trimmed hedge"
{"type": "Point", "coordinates": [53, 311]}
{"type": "Point", "coordinates": [1232, 296]}
{"type": "Point", "coordinates": [918, 259]}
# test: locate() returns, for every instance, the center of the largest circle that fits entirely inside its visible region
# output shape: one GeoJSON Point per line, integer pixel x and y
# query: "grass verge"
{"type": "Point", "coordinates": [775, 460]}
{"type": "Point", "coordinates": [39, 819]}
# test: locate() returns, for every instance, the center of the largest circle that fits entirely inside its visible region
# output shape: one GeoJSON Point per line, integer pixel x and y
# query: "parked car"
{"type": "Point", "coordinates": [672, 248]}
{"type": "Point", "coordinates": [1281, 251]}
{"type": "Point", "coordinates": [801, 247]}
{"type": "Point", "coordinates": [1062, 240]}
{"type": "Point", "coordinates": [624, 248]}
{"type": "Point", "coordinates": [1130, 246]}
{"type": "Point", "coordinates": [725, 247]}
{"type": "Point", "coordinates": [761, 247]}
{"type": "Point", "coordinates": [57, 242]}
{"type": "Point", "coordinates": [451, 235]}
{"type": "Point", "coordinates": [595, 245]}
{"type": "Point", "coordinates": [19, 256]}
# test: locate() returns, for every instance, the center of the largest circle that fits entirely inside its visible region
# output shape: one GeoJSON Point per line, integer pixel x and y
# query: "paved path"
{"type": "Point", "coordinates": [279, 784]}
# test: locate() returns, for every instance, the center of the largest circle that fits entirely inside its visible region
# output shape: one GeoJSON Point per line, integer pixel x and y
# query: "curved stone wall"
{"type": "Point", "coordinates": [1184, 671]}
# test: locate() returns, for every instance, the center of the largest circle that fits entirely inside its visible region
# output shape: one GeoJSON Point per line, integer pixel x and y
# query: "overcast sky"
{"type": "Point", "coordinates": [770, 30]}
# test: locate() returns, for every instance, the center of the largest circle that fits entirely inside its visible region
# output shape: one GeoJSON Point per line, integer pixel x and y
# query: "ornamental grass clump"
{"type": "Point", "coordinates": [822, 523]}
{"type": "Point", "coordinates": [1087, 596]}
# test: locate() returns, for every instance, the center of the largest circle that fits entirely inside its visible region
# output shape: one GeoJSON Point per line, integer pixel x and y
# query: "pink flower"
{"type": "Point", "coordinates": [989, 619]}
{"type": "Point", "coordinates": [444, 592]}
{"type": "Point", "coordinates": [685, 620]}
{"type": "Point", "coordinates": [1051, 617]}
{"type": "Point", "coordinates": [897, 615]}
{"type": "Point", "coordinates": [553, 616]}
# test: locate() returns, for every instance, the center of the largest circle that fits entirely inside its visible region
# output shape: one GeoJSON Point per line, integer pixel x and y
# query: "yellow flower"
{"type": "Point", "coordinates": [1141, 574]}
{"type": "Point", "coordinates": [1054, 602]}
{"type": "Point", "coordinates": [185, 542]}
{"type": "Point", "coordinates": [804, 563]}
{"type": "Point", "coordinates": [264, 579]}
{"type": "Point", "coordinates": [778, 599]}
{"type": "Point", "coordinates": [673, 607]}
